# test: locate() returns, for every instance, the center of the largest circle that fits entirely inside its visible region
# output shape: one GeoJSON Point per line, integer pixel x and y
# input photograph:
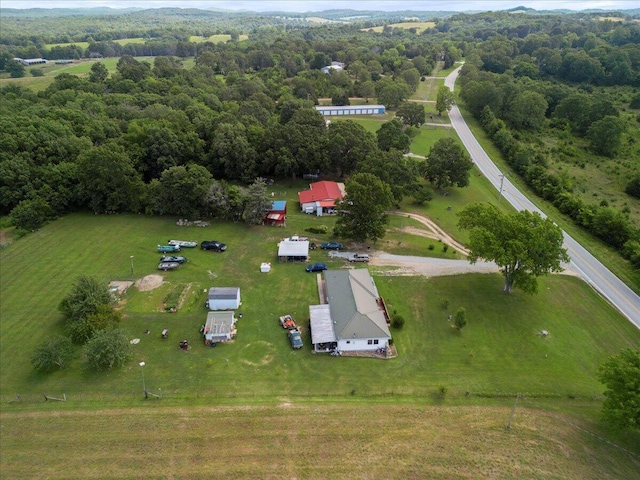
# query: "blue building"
{"type": "Point", "coordinates": [352, 110]}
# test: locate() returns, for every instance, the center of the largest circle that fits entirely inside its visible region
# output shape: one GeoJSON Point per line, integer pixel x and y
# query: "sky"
{"type": "Point", "coordinates": [319, 5]}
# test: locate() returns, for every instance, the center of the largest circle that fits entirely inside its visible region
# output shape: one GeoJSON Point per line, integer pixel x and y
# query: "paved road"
{"type": "Point", "coordinates": [582, 262]}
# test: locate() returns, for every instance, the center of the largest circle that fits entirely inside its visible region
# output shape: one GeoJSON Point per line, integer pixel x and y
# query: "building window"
{"type": "Point", "coordinates": [348, 341]}
{"type": "Point", "coordinates": [370, 342]}
{"type": "Point", "coordinates": [375, 342]}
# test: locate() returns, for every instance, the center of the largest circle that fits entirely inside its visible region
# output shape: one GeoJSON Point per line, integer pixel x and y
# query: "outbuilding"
{"type": "Point", "coordinates": [293, 249]}
{"type": "Point", "coordinates": [352, 110]}
{"type": "Point", "coordinates": [223, 298]}
{"type": "Point", "coordinates": [220, 327]}
{"type": "Point", "coordinates": [277, 214]}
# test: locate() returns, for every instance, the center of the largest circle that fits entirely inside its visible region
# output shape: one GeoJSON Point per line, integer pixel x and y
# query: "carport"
{"type": "Point", "coordinates": [322, 336]}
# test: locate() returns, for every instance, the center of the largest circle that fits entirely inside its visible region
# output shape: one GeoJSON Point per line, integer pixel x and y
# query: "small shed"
{"type": "Point", "coordinates": [223, 298]}
{"type": "Point", "coordinates": [220, 327]}
{"type": "Point", "coordinates": [277, 214]}
{"type": "Point", "coordinates": [293, 249]}
{"type": "Point", "coordinates": [265, 267]}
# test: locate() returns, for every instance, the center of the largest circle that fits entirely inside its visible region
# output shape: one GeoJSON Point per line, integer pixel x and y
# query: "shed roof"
{"type": "Point", "coordinates": [218, 324]}
{"type": "Point", "coordinates": [288, 248]}
{"type": "Point", "coordinates": [323, 190]}
{"type": "Point", "coordinates": [321, 325]}
{"type": "Point", "coordinates": [279, 205]}
{"type": "Point", "coordinates": [224, 293]}
{"type": "Point", "coordinates": [353, 299]}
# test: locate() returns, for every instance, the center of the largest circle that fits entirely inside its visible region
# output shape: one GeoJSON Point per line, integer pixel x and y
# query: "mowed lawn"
{"type": "Point", "coordinates": [499, 352]}
{"type": "Point", "coordinates": [294, 440]}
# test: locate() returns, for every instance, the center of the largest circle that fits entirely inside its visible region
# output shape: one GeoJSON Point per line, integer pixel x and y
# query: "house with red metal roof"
{"type": "Point", "coordinates": [321, 198]}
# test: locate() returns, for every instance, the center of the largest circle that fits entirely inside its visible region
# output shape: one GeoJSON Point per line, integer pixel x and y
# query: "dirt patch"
{"type": "Point", "coordinates": [150, 282]}
{"type": "Point", "coordinates": [120, 287]}
{"type": "Point", "coordinates": [183, 295]}
{"type": "Point", "coordinates": [438, 233]}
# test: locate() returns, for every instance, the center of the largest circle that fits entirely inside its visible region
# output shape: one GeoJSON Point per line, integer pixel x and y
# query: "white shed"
{"type": "Point", "coordinates": [223, 298]}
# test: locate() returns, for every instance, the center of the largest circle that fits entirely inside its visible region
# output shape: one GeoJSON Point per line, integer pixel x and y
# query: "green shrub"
{"type": "Point", "coordinates": [398, 321]}
{"type": "Point", "coordinates": [320, 229]}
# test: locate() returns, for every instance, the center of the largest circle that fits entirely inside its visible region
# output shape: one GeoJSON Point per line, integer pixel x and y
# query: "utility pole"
{"type": "Point", "coordinates": [131, 265]}
{"type": "Point", "coordinates": [501, 184]}
{"type": "Point", "coordinates": [513, 410]}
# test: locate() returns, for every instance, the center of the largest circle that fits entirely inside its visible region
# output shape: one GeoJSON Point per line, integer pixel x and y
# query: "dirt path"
{"type": "Point", "coordinates": [437, 232]}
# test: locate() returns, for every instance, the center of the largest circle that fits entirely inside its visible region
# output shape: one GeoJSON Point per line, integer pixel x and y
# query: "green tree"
{"type": "Point", "coordinates": [53, 354]}
{"type": "Point", "coordinates": [361, 214]}
{"type": "Point", "coordinates": [460, 319]}
{"type": "Point", "coordinates": [527, 111]}
{"type": "Point", "coordinates": [605, 135]}
{"type": "Point", "coordinates": [392, 135]}
{"type": "Point", "coordinates": [99, 73]}
{"type": "Point", "coordinates": [349, 143]}
{"type": "Point", "coordinates": [183, 191]}
{"type": "Point", "coordinates": [108, 349]}
{"type": "Point", "coordinates": [444, 100]}
{"type": "Point", "coordinates": [257, 202]}
{"type": "Point", "coordinates": [108, 180]}
{"type": "Point", "coordinates": [411, 113]}
{"type": "Point", "coordinates": [447, 164]}
{"type": "Point", "coordinates": [393, 93]}
{"type": "Point", "coordinates": [85, 298]}
{"type": "Point", "coordinates": [399, 172]}
{"type": "Point", "coordinates": [31, 214]}
{"type": "Point", "coordinates": [621, 375]}
{"type": "Point", "coordinates": [15, 69]}
{"type": "Point", "coordinates": [105, 317]}
{"type": "Point", "coordinates": [523, 244]}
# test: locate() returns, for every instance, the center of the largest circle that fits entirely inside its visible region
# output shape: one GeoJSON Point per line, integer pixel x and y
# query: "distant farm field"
{"type": "Point", "coordinates": [84, 45]}
{"type": "Point", "coordinates": [419, 26]}
{"type": "Point", "coordinates": [215, 38]}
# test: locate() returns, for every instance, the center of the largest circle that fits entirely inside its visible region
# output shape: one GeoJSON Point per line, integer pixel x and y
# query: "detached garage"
{"type": "Point", "coordinates": [223, 298]}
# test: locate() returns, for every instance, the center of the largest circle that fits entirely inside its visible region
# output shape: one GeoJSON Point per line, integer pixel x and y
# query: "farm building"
{"type": "Point", "coordinates": [294, 249]}
{"type": "Point", "coordinates": [223, 298]}
{"type": "Point", "coordinates": [321, 197]}
{"type": "Point", "coordinates": [277, 214]}
{"type": "Point", "coordinates": [220, 327]}
{"type": "Point", "coordinates": [355, 318]}
{"type": "Point", "coordinates": [27, 62]}
{"type": "Point", "coordinates": [352, 110]}
{"type": "Point", "coordinates": [335, 66]}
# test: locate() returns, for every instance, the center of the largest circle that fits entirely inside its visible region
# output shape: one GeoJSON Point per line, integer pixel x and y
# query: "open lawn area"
{"type": "Point", "coordinates": [439, 407]}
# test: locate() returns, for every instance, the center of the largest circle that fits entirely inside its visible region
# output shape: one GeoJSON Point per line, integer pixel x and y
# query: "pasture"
{"type": "Point", "coordinates": [419, 27]}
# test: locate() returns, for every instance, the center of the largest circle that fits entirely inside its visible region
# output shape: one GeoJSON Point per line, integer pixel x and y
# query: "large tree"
{"type": "Point", "coordinates": [257, 202]}
{"type": "Point", "coordinates": [361, 213]}
{"type": "Point", "coordinates": [411, 113]}
{"type": "Point", "coordinates": [392, 135]}
{"type": "Point", "coordinates": [447, 164]}
{"type": "Point", "coordinates": [523, 244]}
{"type": "Point", "coordinates": [108, 349]}
{"type": "Point", "coordinates": [444, 100]}
{"type": "Point", "coordinates": [621, 376]}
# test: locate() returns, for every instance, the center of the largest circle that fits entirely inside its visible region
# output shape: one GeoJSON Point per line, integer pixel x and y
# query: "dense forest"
{"type": "Point", "coordinates": [557, 93]}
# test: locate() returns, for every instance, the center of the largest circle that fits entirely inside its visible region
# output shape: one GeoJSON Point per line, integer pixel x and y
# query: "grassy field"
{"type": "Point", "coordinates": [419, 26]}
{"type": "Point", "coordinates": [51, 70]}
{"type": "Point", "coordinates": [215, 38]}
{"type": "Point", "coordinates": [293, 440]}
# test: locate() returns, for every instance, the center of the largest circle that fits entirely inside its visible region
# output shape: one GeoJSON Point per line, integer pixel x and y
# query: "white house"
{"type": "Point", "coordinates": [223, 298]}
{"type": "Point", "coordinates": [220, 327]}
{"type": "Point", "coordinates": [355, 318]}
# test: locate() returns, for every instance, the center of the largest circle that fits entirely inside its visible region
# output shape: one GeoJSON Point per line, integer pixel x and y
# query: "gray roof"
{"type": "Point", "coordinates": [299, 248]}
{"type": "Point", "coordinates": [321, 326]}
{"type": "Point", "coordinates": [219, 324]}
{"type": "Point", "coordinates": [223, 293]}
{"type": "Point", "coordinates": [353, 300]}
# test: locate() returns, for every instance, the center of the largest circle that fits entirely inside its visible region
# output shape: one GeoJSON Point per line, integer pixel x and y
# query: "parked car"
{"type": "Point", "coordinates": [168, 248]}
{"type": "Point", "coordinates": [359, 257]}
{"type": "Point", "coordinates": [316, 267]}
{"type": "Point", "coordinates": [331, 246]}
{"type": "Point", "coordinates": [295, 338]}
{"type": "Point", "coordinates": [214, 245]}
{"type": "Point", "coordinates": [173, 258]}
{"type": "Point", "coordinates": [168, 265]}
{"type": "Point", "coordinates": [183, 243]}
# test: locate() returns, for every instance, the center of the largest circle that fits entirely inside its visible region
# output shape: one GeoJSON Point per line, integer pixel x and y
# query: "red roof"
{"type": "Point", "coordinates": [320, 191]}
